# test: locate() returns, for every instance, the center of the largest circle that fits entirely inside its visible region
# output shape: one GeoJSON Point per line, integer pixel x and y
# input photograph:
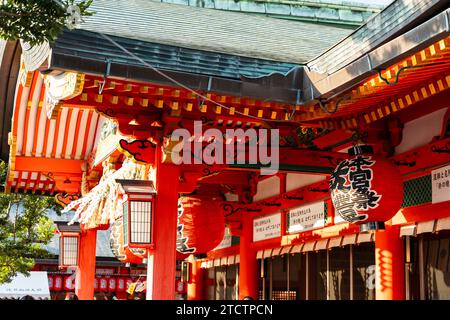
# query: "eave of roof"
{"type": "Point", "coordinates": [91, 45]}
{"type": "Point", "coordinates": [394, 20]}
{"type": "Point", "coordinates": [325, 86]}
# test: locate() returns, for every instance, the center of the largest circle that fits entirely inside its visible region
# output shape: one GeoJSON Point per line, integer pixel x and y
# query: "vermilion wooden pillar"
{"type": "Point", "coordinates": [84, 281]}
{"type": "Point", "coordinates": [165, 231]}
{"type": "Point", "coordinates": [248, 269]}
{"type": "Point", "coordinates": [390, 267]}
{"type": "Point", "coordinates": [195, 287]}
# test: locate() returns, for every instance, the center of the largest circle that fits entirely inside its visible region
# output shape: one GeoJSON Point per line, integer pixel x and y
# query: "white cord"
{"type": "Point", "coordinates": [185, 87]}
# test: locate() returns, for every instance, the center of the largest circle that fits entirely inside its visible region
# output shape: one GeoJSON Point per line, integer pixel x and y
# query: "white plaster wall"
{"type": "Point", "coordinates": [420, 131]}
{"type": "Point", "coordinates": [298, 180]}
{"type": "Point", "coordinates": [267, 188]}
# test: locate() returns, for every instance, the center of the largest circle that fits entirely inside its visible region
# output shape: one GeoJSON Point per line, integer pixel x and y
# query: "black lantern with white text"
{"type": "Point", "coordinates": [138, 204]}
{"type": "Point", "coordinates": [69, 241]}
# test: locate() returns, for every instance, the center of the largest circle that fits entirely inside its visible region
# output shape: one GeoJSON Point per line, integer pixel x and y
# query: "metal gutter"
{"type": "Point", "coordinates": [318, 86]}
{"type": "Point", "coordinates": [277, 87]}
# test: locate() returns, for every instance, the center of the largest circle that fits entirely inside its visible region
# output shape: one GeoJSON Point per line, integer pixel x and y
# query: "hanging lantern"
{"type": "Point", "coordinates": [201, 227]}
{"type": "Point", "coordinates": [103, 284]}
{"type": "Point", "coordinates": [69, 240]}
{"type": "Point", "coordinates": [121, 285]}
{"type": "Point", "coordinates": [68, 283]}
{"type": "Point", "coordinates": [96, 280]}
{"type": "Point", "coordinates": [180, 287]}
{"type": "Point", "coordinates": [112, 284]}
{"type": "Point", "coordinates": [366, 189]}
{"type": "Point", "coordinates": [138, 204]}
{"type": "Point", "coordinates": [58, 283]}
{"type": "Point", "coordinates": [50, 282]}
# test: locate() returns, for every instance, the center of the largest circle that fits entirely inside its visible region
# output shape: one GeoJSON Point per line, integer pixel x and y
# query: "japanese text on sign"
{"type": "Point", "coordinates": [306, 217]}
{"type": "Point", "coordinates": [267, 227]}
{"type": "Point", "coordinates": [440, 179]}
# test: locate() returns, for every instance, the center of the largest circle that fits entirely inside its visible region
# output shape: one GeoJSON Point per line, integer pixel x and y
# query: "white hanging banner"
{"type": "Point", "coordinates": [440, 184]}
{"type": "Point", "coordinates": [306, 218]}
{"type": "Point", "coordinates": [267, 227]}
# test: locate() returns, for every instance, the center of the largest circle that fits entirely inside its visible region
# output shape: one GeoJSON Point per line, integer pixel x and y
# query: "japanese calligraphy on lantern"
{"type": "Point", "coordinates": [351, 188]}
{"type": "Point", "coordinates": [182, 239]}
{"type": "Point", "coordinates": [440, 181]}
{"type": "Point", "coordinates": [267, 227]}
{"type": "Point", "coordinates": [307, 217]}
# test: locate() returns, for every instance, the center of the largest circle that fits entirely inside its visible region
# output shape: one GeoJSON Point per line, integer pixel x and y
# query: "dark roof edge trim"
{"type": "Point", "coordinates": [319, 86]}
{"type": "Point", "coordinates": [282, 91]}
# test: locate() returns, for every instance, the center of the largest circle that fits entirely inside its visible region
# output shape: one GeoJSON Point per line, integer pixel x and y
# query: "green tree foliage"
{"type": "Point", "coordinates": [24, 228]}
{"type": "Point", "coordinates": [37, 21]}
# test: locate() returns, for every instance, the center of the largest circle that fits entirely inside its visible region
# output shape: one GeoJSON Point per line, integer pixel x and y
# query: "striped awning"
{"type": "Point", "coordinates": [321, 244]}
{"type": "Point", "coordinates": [443, 224]}
{"type": "Point", "coordinates": [267, 253]}
{"type": "Point", "coordinates": [231, 260]}
{"type": "Point", "coordinates": [349, 239]}
{"type": "Point", "coordinates": [259, 254]}
{"type": "Point", "coordinates": [408, 230]}
{"type": "Point", "coordinates": [276, 251]}
{"type": "Point", "coordinates": [335, 242]}
{"type": "Point", "coordinates": [47, 154]}
{"type": "Point", "coordinates": [308, 246]}
{"type": "Point", "coordinates": [286, 249]}
{"type": "Point", "coordinates": [425, 226]}
{"type": "Point", "coordinates": [365, 237]}
{"type": "Point", "coordinates": [429, 226]}
{"type": "Point", "coordinates": [223, 261]}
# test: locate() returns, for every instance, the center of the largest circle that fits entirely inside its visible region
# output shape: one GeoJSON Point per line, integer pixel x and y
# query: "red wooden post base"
{"type": "Point", "coordinates": [248, 269]}
{"type": "Point", "coordinates": [84, 281]}
{"type": "Point", "coordinates": [195, 285]}
{"type": "Point", "coordinates": [389, 260]}
{"type": "Point", "coordinates": [165, 232]}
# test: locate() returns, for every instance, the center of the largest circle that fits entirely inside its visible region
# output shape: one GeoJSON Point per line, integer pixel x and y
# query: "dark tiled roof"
{"type": "Point", "coordinates": [103, 249]}
{"type": "Point", "coordinates": [340, 12]}
{"type": "Point", "coordinates": [211, 30]}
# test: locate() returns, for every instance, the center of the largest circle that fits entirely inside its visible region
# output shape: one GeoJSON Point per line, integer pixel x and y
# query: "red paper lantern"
{"type": "Point", "coordinates": [96, 281]}
{"type": "Point", "coordinates": [68, 283]}
{"type": "Point", "coordinates": [180, 287]}
{"type": "Point", "coordinates": [201, 226]}
{"type": "Point", "coordinates": [121, 285]}
{"type": "Point", "coordinates": [58, 283]}
{"type": "Point", "coordinates": [103, 284]}
{"type": "Point", "coordinates": [112, 284]}
{"type": "Point", "coordinates": [50, 282]}
{"type": "Point", "coordinates": [366, 189]}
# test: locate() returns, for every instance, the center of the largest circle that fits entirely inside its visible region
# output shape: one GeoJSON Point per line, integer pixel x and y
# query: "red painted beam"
{"type": "Point", "coordinates": [46, 165]}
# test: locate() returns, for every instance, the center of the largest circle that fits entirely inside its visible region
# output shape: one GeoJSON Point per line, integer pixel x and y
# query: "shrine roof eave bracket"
{"type": "Point", "coordinates": [324, 87]}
